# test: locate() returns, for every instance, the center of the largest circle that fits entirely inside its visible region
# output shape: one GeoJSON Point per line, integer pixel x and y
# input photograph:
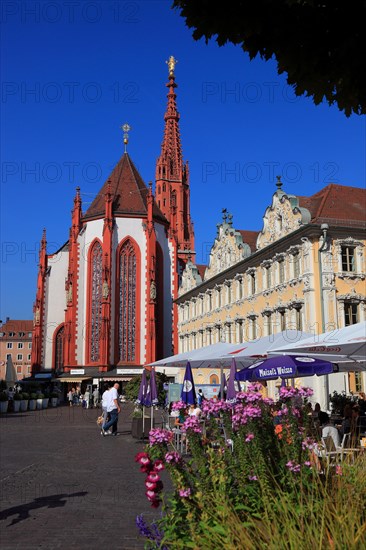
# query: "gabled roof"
{"type": "Point", "coordinates": [128, 191]}
{"type": "Point", "coordinates": [16, 326]}
{"type": "Point", "coordinates": [336, 203]}
{"type": "Point", "coordinates": [250, 238]}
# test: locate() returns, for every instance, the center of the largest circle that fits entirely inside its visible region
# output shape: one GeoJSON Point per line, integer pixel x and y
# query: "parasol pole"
{"type": "Point", "coordinates": [143, 421]}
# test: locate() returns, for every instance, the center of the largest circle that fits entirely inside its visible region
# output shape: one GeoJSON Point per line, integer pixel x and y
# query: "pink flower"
{"type": "Point", "coordinates": [173, 457]}
{"type": "Point", "coordinates": [339, 471]}
{"type": "Point", "coordinates": [153, 477]}
{"type": "Point", "coordinates": [160, 436]}
{"type": "Point", "coordinates": [192, 424]}
{"type": "Point", "coordinates": [150, 485]}
{"type": "Point", "coordinates": [185, 493]}
{"type": "Point", "coordinates": [158, 465]}
{"type": "Point", "coordinates": [150, 494]}
{"type": "Point", "coordinates": [249, 437]}
{"type": "Point", "coordinates": [142, 458]}
{"type": "Point", "coordinates": [252, 478]}
{"type": "Point", "coordinates": [293, 467]}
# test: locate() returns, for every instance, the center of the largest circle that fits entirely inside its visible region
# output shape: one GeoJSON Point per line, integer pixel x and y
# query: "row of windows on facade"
{"type": "Point", "coordinates": [232, 291]}
{"type": "Point", "coordinates": [240, 331]}
{"type": "Point", "coordinates": [14, 334]}
{"type": "Point", "coordinates": [20, 345]}
{"type": "Point", "coordinates": [19, 356]}
{"type": "Point", "coordinates": [272, 274]}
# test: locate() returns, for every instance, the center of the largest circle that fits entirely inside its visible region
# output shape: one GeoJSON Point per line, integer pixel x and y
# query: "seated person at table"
{"type": "Point", "coordinates": [329, 430]}
{"type": "Point", "coordinates": [346, 422]}
{"type": "Point", "coordinates": [179, 421]}
{"type": "Point", "coordinates": [194, 410]}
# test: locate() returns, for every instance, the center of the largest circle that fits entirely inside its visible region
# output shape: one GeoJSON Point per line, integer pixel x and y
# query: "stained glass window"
{"type": "Point", "coordinates": [96, 301]}
{"type": "Point", "coordinates": [127, 303]}
{"type": "Point", "coordinates": [59, 349]}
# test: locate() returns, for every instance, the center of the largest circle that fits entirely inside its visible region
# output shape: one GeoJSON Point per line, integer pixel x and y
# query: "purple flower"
{"type": "Point", "coordinates": [252, 478]}
{"type": "Point", "coordinates": [192, 424]}
{"type": "Point", "coordinates": [293, 467]}
{"type": "Point", "coordinates": [173, 457]}
{"type": "Point", "coordinates": [185, 493]}
{"type": "Point", "coordinates": [160, 436]}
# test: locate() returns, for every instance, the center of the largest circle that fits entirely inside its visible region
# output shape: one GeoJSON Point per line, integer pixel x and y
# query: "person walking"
{"type": "Point", "coordinates": [113, 409]}
{"type": "Point", "coordinates": [95, 397]}
{"type": "Point", "coordinates": [105, 402]}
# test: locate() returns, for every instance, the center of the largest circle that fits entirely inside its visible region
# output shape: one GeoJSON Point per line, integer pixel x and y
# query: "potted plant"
{"type": "Point", "coordinates": [40, 398]}
{"type": "Point", "coordinates": [137, 420]}
{"type": "Point", "coordinates": [46, 399]}
{"type": "Point", "coordinates": [4, 401]}
{"type": "Point", "coordinates": [32, 402]}
{"type": "Point", "coordinates": [54, 399]}
{"type": "Point", "coordinates": [16, 402]}
{"type": "Point", "coordinates": [24, 401]}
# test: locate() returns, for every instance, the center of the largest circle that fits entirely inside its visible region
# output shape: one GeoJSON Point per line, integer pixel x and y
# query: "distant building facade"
{"type": "Point", "coordinates": [16, 347]}
{"type": "Point", "coordinates": [305, 270]}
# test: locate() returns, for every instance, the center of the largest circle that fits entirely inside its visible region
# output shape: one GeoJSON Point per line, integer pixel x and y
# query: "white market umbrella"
{"type": "Point", "coordinates": [345, 346]}
{"type": "Point", "coordinates": [262, 348]}
{"type": "Point", "coordinates": [206, 357]}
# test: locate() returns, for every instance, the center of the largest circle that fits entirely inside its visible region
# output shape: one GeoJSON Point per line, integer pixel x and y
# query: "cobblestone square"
{"type": "Point", "coordinates": [63, 485]}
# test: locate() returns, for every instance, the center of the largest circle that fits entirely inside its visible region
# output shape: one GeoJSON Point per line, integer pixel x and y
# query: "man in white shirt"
{"type": "Point", "coordinates": [113, 409]}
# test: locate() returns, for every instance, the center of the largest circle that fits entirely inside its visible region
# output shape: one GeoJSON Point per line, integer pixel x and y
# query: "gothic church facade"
{"type": "Point", "coordinates": [105, 298]}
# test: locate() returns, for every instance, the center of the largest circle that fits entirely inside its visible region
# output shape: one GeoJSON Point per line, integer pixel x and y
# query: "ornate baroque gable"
{"type": "Point", "coordinates": [190, 278]}
{"type": "Point", "coordinates": [228, 248]}
{"type": "Point", "coordinates": [281, 218]}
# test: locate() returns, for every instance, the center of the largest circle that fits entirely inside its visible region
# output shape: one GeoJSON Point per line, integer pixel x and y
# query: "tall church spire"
{"type": "Point", "coordinates": [172, 176]}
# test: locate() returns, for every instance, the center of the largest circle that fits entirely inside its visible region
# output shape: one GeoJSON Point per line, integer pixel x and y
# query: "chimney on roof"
{"type": "Point", "coordinates": [7, 319]}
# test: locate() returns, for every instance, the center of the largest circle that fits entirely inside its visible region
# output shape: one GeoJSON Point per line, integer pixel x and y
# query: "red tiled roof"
{"type": "Point", "coordinates": [249, 237]}
{"type": "Point", "coordinates": [16, 326]}
{"type": "Point", "coordinates": [201, 270]}
{"type": "Point", "coordinates": [336, 203]}
{"type": "Point", "coordinates": [128, 191]}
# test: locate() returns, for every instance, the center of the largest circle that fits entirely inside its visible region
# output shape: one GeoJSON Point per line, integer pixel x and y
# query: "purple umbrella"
{"type": "Point", "coordinates": [231, 388]}
{"type": "Point", "coordinates": [188, 394]}
{"type": "Point", "coordinates": [141, 398]}
{"type": "Point", "coordinates": [223, 385]}
{"type": "Point", "coordinates": [286, 366]}
{"type": "Point", "coordinates": [153, 395]}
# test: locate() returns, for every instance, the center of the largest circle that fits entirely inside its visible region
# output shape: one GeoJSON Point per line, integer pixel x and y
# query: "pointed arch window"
{"type": "Point", "coordinates": [127, 303]}
{"type": "Point", "coordinates": [59, 349]}
{"type": "Point", "coordinates": [95, 301]}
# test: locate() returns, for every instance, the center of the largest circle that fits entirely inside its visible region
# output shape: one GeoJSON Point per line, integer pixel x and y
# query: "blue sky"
{"type": "Point", "coordinates": [73, 73]}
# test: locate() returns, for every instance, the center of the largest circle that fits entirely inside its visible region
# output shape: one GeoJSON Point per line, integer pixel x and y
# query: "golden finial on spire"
{"type": "Point", "coordinates": [171, 65]}
{"type": "Point", "coordinates": [126, 128]}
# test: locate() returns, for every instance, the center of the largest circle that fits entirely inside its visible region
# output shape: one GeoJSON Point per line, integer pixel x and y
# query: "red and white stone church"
{"type": "Point", "coordinates": [105, 298]}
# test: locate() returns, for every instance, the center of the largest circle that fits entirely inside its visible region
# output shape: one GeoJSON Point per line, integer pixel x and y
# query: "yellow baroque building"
{"type": "Point", "coordinates": [304, 270]}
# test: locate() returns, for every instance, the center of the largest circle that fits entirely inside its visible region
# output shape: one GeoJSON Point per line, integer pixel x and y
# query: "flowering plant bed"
{"type": "Point", "coordinates": [249, 471]}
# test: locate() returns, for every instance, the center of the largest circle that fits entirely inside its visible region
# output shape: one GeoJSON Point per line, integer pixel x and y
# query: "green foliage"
{"type": "Point", "coordinates": [319, 44]}
{"type": "Point", "coordinates": [17, 397]}
{"type": "Point", "coordinates": [264, 493]}
{"type": "Point", "coordinates": [4, 396]}
{"type": "Point", "coordinates": [25, 395]}
{"type": "Point", "coordinates": [339, 400]}
{"type": "Point", "coordinates": [33, 396]}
